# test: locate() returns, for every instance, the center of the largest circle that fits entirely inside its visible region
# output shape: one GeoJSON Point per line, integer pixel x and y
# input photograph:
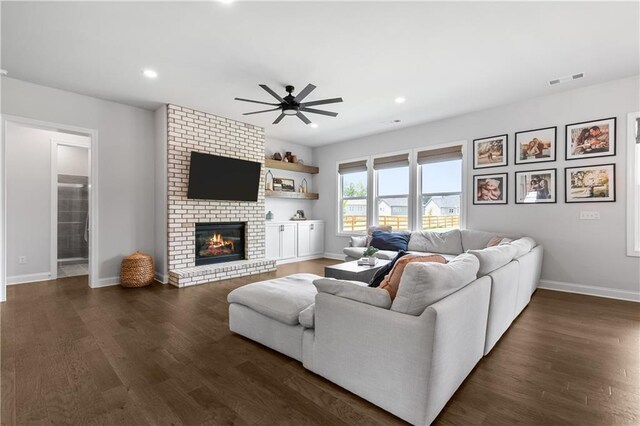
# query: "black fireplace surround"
{"type": "Point", "coordinates": [219, 242]}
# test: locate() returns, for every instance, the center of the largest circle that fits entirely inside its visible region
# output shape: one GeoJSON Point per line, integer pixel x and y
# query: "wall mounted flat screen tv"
{"type": "Point", "coordinates": [212, 177]}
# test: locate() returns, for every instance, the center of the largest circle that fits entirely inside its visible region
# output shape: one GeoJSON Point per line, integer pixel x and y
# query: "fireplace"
{"type": "Point", "coordinates": [219, 242]}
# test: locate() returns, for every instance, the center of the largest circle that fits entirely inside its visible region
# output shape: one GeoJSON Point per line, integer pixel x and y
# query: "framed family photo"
{"type": "Point", "coordinates": [590, 184]}
{"type": "Point", "coordinates": [284, 184]}
{"type": "Point", "coordinates": [536, 187]}
{"type": "Point", "coordinates": [490, 152]}
{"type": "Point", "coordinates": [591, 139]}
{"type": "Point", "coordinates": [490, 189]}
{"type": "Point", "coordinates": [536, 146]}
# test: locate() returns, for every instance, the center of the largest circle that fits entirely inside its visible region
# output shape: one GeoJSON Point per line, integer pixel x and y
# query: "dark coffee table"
{"type": "Point", "coordinates": [352, 271]}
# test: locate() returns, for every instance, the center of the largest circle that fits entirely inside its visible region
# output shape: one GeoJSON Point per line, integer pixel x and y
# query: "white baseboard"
{"type": "Point", "coordinates": [590, 290]}
{"type": "Point", "coordinates": [161, 278]}
{"type": "Point", "coordinates": [28, 278]}
{"type": "Point", "coordinates": [106, 282]}
{"type": "Point", "coordinates": [335, 256]}
{"type": "Point", "coordinates": [299, 259]}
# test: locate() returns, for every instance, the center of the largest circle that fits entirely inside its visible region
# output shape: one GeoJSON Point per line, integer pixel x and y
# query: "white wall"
{"type": "Point", "coordinates": [284, 209]}
{"type": "Point", "coordinates": [28, 178]}
{"type": "Point", "coordinates": [586, 253]}
{"type": "Point", "coordinates": [73, 160]}
{"type": "Point", "coordinates": [125, 168]}
{"type": "Point", "coordinates": [160, 210]}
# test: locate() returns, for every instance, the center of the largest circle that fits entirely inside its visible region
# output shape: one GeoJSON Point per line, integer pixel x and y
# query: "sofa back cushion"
{"type": "Point", "coordinates": [391, 281]}
{"type": "Point", "coordinates": [354, 290]}
{"type": "Point", "coordinates": [394, 241]}
{"type": "Point", "coordinates": [423, 284]}
{"type": "Point", "coordinates": [523, 246]}
{"type": "Point", "coordinates": [475, 240]}
{"type": "Point", "coordinates": [492, 258]}
{"type": "Point", "coordinates": [449, 242]}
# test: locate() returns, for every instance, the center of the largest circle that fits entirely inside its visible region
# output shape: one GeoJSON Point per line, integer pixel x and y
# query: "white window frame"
{"type": "Point", "coordinates": [339, 231]}
{"type": "Point", "coordinates": [410, 195]}
{"type": "Point", "coordinates": [633, 188]}
{"type": "Point", "coordinates": [418, 183]}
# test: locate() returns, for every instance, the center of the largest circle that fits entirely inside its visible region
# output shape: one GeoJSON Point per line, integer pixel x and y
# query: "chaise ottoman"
{"type": "Point", "coordinates": [267, 311]}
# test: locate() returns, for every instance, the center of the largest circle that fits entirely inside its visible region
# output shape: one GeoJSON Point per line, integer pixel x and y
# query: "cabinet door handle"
{"type": "Point", "coordinates": [312, 226]}
{"type": "Point", "coordinates": [281, 228]}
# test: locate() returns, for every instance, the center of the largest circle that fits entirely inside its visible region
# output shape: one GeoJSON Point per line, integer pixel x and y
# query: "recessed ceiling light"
{"type": "Point", "coordinates": [150, 73]}
{"type": "Point", "coordinates": [314, 125]}
{"type": "Point", "coordinates": [400, 100]}
{"type": "Point", "coordinates": [226, 1]}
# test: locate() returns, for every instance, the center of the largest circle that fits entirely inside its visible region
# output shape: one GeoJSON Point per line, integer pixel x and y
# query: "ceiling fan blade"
{"type": "Point", "coordinates": [255, 102]}
{"type": "Point", "coordinates": [318, 111]}
{"type": "Point", "coordinates": [305, 92]}
{"type": "Point", "coordinates": [302, 117]}
{"type": "Point", "coordinates": [272, 93]}
{"type": "Point", "coordinates": [258, 112]}
{"type": "Point", "coordinates": [280, 117]}
{"type": "Point", "coordinates": [321, 102]}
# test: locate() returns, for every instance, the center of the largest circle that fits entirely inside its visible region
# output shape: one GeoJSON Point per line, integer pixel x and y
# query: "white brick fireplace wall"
{"type": "Point", "coordinates": [190, 130]}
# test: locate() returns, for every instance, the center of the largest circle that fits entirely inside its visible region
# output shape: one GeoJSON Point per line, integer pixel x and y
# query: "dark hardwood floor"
{"type": "Point", "coordinates": [162, 356]}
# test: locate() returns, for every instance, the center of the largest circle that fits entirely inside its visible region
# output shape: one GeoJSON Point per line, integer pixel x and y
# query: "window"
{"type": "Point", "coordinates": [392, 191]}
{"type": "Point", "coordinates": [633, 184]}
{"type": "Point", "coordinates": [353, 196]}
{"type": "Point", "coordinates": [440, 172]}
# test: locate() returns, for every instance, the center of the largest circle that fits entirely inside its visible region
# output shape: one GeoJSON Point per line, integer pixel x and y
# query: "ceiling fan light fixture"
{"type": "Point", "coordinates": [289, 111]}
{"type": "Point", "coordinates": [400, 100]}
{"type": "Point", "coordinates": [314, 125]}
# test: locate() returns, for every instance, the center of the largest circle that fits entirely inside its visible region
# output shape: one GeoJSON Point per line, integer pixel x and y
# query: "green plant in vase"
{"type": "Point", "coordinates": [370, 254]}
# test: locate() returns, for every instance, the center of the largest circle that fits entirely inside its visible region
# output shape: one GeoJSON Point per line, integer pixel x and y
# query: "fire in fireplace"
{"type": "Point", "coordinates": [219, 242]}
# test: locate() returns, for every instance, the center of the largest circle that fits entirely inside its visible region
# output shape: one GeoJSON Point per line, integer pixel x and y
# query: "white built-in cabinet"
{"type": "Point", "coordinates": [290, 241]}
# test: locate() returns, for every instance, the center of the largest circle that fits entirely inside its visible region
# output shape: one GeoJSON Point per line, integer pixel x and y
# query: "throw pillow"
{"type": "Point", "coordinates": [423, 284]}
{"type": "Point", "coordinates": [372, 229]}
{"type": "Point", "coordinates": [354, 290]}
{"type": "Point", "coordinates": [391, 282]}
{"type": "Point", "coordinates": [447, 242]}
{"type": "Point", "coordinates": [498, 240]}
{"type": "Point", "coordinates": [394, 241]}
{"type": "Point", "coordinates": [359, 241]}
{"type": "Point", "coordinates": [384, 270]}
{"type": "Point", "coordinates": [523, 246]}
{"type": "Point", "coordinates": [492, 258]}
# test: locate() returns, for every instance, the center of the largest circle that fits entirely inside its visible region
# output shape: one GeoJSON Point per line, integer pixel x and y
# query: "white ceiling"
{"type": "Point", "coordinates": [445, 58]}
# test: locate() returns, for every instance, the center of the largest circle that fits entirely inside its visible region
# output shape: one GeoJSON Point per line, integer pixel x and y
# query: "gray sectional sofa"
{"type": "Point", "coordinates": [409, 355]}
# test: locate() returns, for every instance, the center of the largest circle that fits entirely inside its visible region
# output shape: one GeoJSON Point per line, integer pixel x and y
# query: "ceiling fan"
{"type": "Point", "coordinates": [293, 105]}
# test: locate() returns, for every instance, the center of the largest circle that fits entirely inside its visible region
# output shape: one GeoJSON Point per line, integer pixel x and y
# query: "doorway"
{"type": "Point", "coordinates": [49, 200]}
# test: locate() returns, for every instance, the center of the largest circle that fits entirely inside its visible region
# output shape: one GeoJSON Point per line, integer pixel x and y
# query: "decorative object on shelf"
{"type": "Point", "coordinates": [285, 159]}
{"type": "Point", "coordinates": [490, 152]}
{"type": "Point", "coordinates": [299, 215]}
{"type": "Point", "coordinates": [294, 159]}
{"type": "Point", "coordinates": [490, 189]}
{"type": "Point", "coordinates": [596, 138]}
{"type": "Point", "coordinates": [590, 184]}
{"type": "Point", "coordinates": [284, 184]}
{"type": "Point", "coordinates": [288, 156]}
{"type": "Point", "coordinates": [369, 257]}
{"type": "Point", "coordinates": [303, 186]}
{"type": "Point", "coordinates": [137, 270]}
{"type": "Point", "coordinates": [268, 181]}
{"type": "Point", "coordinates": [536, 187]}
{"type": "Point", "coordinates": [277, 156]}
{"type": "Point", "coordinates": [536, 146]}
{"type": "Point", "coordinates": [269, 215]}
{"type": "Point", "coordinates": [302, 162]}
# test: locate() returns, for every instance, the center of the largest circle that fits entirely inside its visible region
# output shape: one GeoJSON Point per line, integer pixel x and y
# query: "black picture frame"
{"type": "Point", "coordinates": [504, 189]}
{"type": "Point", "coordinates": [505, 154]}
{"type": "Point", "coordinates": [516, 154]}
{"type": "Point", "coordinates": [552, 171]}
{"type": "Point", "coordinates": [611, 180]}
{"type": "Point", "coordinates": [568, 142]}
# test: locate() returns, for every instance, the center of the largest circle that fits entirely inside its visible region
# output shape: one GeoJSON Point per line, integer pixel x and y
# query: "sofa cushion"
{"type": "Point", "coordinates": [281, 299]}
{"type": "Point", "coordinates": [449, 242]}
{"type": "Point", "coordinates": [523, 246]}
{"type": "Point", "coordinates": [354, 290]}
{"type": "Point", "coordinates": [496, 241]}
{"type": "Point", "coordinates": [357, 252]}
{"type": "Point", "coordinates": [475, 240]}
{"type": "Point", "coordinates": [492, 258]}
{"type": "Point", "coordinates": [372, 229]}
{"type": "Point", "coordinates": [307, 316]}
{"type": "Point", "coordinates": [393, 241]}
{"type": "Point", "coordinates": [423, 284]}
{"type": "Point", "coordinates": [384, 270]}
{"type": "Point", "coordinates": [359, 241]}
{"type": "Point", "coordinates": [391, 281]}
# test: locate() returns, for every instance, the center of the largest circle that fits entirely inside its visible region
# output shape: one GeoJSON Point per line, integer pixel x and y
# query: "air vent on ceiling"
{"type": "Point", "coordinates": [566, 78]}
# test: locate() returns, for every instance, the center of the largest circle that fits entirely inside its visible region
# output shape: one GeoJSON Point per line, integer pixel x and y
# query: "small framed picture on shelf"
{"type": "Point", "coordinates": [591, 139]}
{"type": "Point", "coordinates": [536, 146]}
{"type": "Point", "coordinates": [590, 184]}
{"type": "Point", "coordinates": [490, 152]}
{"type": "Point", "coordinates": [536, 187]}
{"type": "Point", "coordinates": [284, 184]}
{"type": "Point", "coordinates": [490, 189]}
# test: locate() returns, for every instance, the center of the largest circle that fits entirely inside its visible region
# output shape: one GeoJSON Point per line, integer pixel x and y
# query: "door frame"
{"type": "Point", "coordinates": [55, 143]}
{"type": "Point", "coordinates": [93, 191]}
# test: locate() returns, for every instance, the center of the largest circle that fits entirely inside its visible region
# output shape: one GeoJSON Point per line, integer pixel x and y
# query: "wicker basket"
{"type": "Point", "coordinates": [137, 270]}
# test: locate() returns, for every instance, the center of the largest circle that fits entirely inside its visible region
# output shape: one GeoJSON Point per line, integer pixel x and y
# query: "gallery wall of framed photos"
{"type": "Point", "coordinates": [582, 183]}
